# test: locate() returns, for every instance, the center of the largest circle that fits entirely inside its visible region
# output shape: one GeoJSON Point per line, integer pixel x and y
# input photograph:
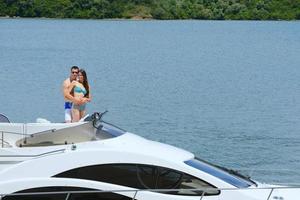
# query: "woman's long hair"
{"type": "Point", "coordinates": [85, 82]}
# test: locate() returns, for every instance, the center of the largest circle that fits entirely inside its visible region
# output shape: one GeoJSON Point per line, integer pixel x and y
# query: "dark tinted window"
{"type": "Point", "coordinates": [183, 184]}
{"type": "Point", "coordinates": [76, 196]}
{"type": "Point", "coordinates": [121, 174]}
{"type": "Point", "coordinates": [168, 179]}
{"type": "Point", "coordinates": [147, 176]}
{"type": "Point", "coordinates": [142, 177]}
{"type": "Point", "coordinates": [98, 196]}
{"type": "Point", "coordinates": [36, 197]}
{"type": "Point", "coordinates": [42, 196]}
{"type": "Point", "coordinates": [191, 185]}
{"type": "Point", "coordinates": [219, 173]}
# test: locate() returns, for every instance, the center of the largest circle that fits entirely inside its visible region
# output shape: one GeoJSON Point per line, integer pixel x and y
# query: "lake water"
{"type": "Point", "coordinates": [228, 91]}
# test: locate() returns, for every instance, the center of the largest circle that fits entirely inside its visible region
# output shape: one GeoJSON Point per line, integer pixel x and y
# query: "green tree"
{"type": "Point", "coordinates": [2, 9]}
{"type": "Point", "coordinates": [158, 9]}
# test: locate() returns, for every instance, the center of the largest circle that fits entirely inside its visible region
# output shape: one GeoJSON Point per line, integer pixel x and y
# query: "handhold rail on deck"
{"type": "Point", "coordinates": [23, 134]}
{"type": "Point", "coordinates": [136, 191]}
{"type": "Point", "coordinates": [36, 155]}
{"type": "Point", "coordinates": [18, 133]}
{"type": "Point", "coordinates": [270, 193]}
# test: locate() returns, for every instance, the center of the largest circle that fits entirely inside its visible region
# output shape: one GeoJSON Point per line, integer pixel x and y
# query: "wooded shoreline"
{"type": "Point", "coordinates": [153, 9]}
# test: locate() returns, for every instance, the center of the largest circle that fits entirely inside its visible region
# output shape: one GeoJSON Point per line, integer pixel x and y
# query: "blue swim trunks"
{"type": "Point", "coordinates": [68, 105]}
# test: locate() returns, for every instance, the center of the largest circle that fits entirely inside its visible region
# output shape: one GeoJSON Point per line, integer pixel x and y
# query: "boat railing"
{"type": "Point", "coordinates": [34, 155]}
{"type": "Point", "coordinates": [252, 170]}
{"type": "Point", "coordinates": [2, 139]}
{"type": "Point", "coordinates": [274, 176]}
{"type": "Point", "coordinates": [23, 134]}
{"type": "Point", "coordinates": [3, 142]}
{"type": "Point", "coordinates": [134, 192]}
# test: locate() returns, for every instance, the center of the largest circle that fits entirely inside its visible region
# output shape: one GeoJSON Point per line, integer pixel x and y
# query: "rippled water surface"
{"type": "Point", "coordinates": [227, 91]}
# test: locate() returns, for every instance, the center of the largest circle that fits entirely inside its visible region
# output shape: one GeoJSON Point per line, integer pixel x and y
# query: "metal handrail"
{"type": "Point", "coordinates": [259, 169]}
{"type": "Point", "coordinates": [37, 155]}
{"type": "Point", "coordinates": [4, 142]}
{"type": "Point", "coordinates": [40, 132]}
{"type": "Point", "coordinates": [2, 139]}
{"type": "Point", "coordinates": [270, 194]}
{"type": "Point", "coordinates": [24, 134]}
{"type": "Point", "coordinates": [136, 191]}
{"type": "Point", "coordinates": [18, 133]}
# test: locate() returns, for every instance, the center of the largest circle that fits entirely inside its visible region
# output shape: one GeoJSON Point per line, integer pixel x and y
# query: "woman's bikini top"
{"type": "Point", "coordinates": [78, 89]}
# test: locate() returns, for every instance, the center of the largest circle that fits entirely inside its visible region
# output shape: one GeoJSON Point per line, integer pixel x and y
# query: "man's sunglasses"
{"type": "Point", "coordinates": [74, 72]}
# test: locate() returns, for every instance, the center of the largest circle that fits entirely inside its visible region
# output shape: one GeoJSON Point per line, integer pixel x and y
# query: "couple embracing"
{"type": "Point", "coordinates": [76, 91]}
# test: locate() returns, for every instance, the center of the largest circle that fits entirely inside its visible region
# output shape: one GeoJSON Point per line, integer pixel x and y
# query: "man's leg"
{"type": "Point", "coordinates": [68, 115]}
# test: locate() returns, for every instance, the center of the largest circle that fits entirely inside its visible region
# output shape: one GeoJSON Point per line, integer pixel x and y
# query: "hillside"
{"type": "Point", "coordinates": [154, 9]}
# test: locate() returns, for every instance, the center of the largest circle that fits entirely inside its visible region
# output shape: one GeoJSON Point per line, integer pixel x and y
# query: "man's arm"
{"type": "Point", "coordinates": [67, 93]}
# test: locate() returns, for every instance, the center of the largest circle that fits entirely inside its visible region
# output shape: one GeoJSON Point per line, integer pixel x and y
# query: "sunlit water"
{"type": "Point", "coordinates": [228, 91]}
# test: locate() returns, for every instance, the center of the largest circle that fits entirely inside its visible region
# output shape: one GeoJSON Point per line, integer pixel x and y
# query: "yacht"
{"type": "Point", "coordinates": [95, 160]}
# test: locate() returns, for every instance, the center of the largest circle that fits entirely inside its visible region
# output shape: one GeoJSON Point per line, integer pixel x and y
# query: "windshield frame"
{"type": "Point", "coordinates": [108, 129]}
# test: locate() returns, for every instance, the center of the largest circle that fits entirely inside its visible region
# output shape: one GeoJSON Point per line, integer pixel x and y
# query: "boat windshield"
{"type": "Point", "coordinates": [229, 176]}
{"type": "Point", "coordinates": [109, 129]}
{"type": "Point", "coordinates": [82, 132]}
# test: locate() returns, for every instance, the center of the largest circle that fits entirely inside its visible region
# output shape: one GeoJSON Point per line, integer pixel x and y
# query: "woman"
{"type": "Point", "coordinates": [81, 90]}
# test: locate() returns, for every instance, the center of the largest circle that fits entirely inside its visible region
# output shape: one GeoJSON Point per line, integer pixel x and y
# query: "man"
{"type": "Point", "coordinates": [69, 98]}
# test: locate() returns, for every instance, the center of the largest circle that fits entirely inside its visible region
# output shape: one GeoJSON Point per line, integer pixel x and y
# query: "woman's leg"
{"type": "Point", "coordinates": [82, 114]}
{"type": "Point", "coordinates": [82, 111]}
{"type": "Point", "coordinates": [75, 115]}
